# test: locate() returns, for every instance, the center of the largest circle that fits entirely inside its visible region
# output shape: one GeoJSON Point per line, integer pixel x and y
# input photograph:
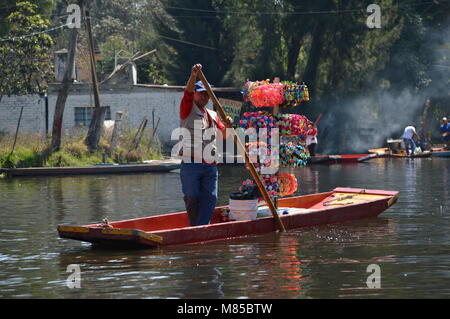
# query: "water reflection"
{"type": "Point", "coordinates": [409, 241]}
{"type": "Point", "coordinates": [308, 180]}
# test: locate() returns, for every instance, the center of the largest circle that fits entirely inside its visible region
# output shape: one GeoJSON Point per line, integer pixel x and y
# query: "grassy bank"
{"type": "Point", "coordinates": [34, 150]}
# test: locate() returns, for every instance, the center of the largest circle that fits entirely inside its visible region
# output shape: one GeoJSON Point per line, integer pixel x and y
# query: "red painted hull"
{"type": "Point", "coordinates": [336, 159]}
{"type": "Point", "coordinates": [173, 229]}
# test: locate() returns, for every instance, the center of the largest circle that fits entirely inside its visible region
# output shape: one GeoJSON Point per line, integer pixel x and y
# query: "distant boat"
{"type": "Point", "coordinates": [149, 166]}
{"type": "Point", "coordinates": [335, 159]}
{"type": "Point", "coordinates": [384, 151]}
{"type": "Point", "coordinates": [439, 152]}
{"type": "Point", "coordinates": [415, 155]}
{"type": "Point", "coordinates": [339, 205]}
{"type": "Point", "coordinates": [397, 153]}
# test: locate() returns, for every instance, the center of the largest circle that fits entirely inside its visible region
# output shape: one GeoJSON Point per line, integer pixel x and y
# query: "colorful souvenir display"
{"type": "Point", "coordinates": [292, 128]}
{"type": "Point", "coordinates": [293, 155]}
{"type": "Point", "coordinates": [257, 120]}
{"type": "Point", "coordinates": [269, 182]}
{"type": "Point", "coordinates": [288, 184]}
{"type": "Point", "coordinates": [294, 94]}
{"type": "Point", "coordinates": [263, 93]}
{"type": "Point", "coordinates": [280, 185]}
{"type": "Point", "coordinates": [259, 153]}
{"type": "Point", "coordinates": [266, 94]}
{"type": "Point", "coordinates": [292, 124]}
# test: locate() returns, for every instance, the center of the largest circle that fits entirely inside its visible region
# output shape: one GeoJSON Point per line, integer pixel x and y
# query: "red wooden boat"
{"type": "Point", "coordinates": [336, 159]}
{"type": "Point", "coordinates": [339, 205]}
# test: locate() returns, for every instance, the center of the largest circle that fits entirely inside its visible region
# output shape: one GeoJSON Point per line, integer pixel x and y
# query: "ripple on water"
{"type": "Point", "coordinates": [408, 241]}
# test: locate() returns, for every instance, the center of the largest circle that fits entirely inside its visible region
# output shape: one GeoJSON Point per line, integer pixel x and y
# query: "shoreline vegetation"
{"type": "Point", "coordinates": [33, 150]}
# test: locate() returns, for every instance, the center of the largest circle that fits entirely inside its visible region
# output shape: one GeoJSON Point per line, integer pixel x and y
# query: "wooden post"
{"type": "Point", "coordinates": [98, 114]}
{"type": "Point", "coordinates": [46, 115]}
{"type": "Point", "coordinates": [139, 133]}
{"type": "Point", "coordinates": [63, 92]}
{"type": "Point", "coordinates": [241, 148]}
{"type": "Point", "coordinates": [153, 134]}
{"type": "Point", "coordinates": [153, 119]}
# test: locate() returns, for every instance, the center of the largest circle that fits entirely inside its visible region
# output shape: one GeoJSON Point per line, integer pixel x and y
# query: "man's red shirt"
{"type": "Point", "coordinates": [186, 107]}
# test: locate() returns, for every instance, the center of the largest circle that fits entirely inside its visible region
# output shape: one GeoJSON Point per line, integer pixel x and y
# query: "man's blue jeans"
{"type": "Point", "coordinates": [199, 184]}
{"type": "Point", "coordinates": [409, 145]}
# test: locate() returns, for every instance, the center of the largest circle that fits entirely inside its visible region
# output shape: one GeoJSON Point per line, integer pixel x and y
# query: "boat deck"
{"type": "Point", "coordinates": [339, 205]}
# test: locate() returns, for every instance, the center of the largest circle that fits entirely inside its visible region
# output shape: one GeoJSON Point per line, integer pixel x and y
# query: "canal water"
{"type": "Point", "coordinates": [409, 243]}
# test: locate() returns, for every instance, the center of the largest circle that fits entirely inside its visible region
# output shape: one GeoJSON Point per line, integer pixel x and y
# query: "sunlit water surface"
{"type": "Point", "coordinates": [410, 242]}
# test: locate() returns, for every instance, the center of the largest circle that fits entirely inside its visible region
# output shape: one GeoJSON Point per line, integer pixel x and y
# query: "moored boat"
{"type": "Point", "coordinates": [416, 155]}
{"type": "Point", "coordinates": [336, 159]}
{"type": "Point", "coordinates": [150, 166]}
{"type": "Point", "coordinates": [339, 205]}
{"type": "Point", "coordinates": [318, 159]}
{"type": "Point", "coordinates": [393, 153]}
{"type": "Point", "coordinates": [440, 152]}
{"type": "Point", "coordinates": [380, 152]}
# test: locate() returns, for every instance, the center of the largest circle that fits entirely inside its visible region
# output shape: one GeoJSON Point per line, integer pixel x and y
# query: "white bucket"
{"type": "Point", "coordinates": [243, 209]}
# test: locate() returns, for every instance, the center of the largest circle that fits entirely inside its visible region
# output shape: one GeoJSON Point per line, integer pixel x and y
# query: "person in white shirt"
{"type": "Point", "coordinates": [311, 139]}
{"type": "Point", "coordinates": [408, 134]}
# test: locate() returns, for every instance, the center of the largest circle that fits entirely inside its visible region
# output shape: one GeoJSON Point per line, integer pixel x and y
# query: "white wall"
{"type": "Point", "coordinates": [135, 103]}
{"type": "Point", "coordinates": [33, 116]}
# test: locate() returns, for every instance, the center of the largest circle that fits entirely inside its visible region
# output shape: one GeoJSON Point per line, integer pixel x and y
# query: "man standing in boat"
{"type": "Point", "coordinates": [311, 139]}
{"type": "Point", "coordinates": [408, 139]}
{"type": "Point", "coordinates": [199, 177]}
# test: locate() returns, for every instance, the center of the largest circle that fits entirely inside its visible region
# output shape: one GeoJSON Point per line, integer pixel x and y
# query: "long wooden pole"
{"type": "Point", "coordinates": [63, 92]}
{"type": "Point", "coordinates": [241, 147]}
{"type": "Point", "coordinates": [95, 127]}
{"type": "Point", "coordinates": [92, 59]}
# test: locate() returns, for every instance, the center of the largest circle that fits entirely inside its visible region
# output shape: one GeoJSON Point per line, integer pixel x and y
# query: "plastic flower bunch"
{"type": "Point", "coordinates": [259, 153]}
{"type": "Point", "coordinates": [258, 120]}
{"type": "Point", "coordinates": [292, 124]}
{"type": "Point", "coordinates": [294, 94]}
{"type": "Point", "coordinates": [288, 184]}
{"type": "Point", "coordinates": [293, 155]}
{"type": "Point", "coordinates": [271, 184]}
{"type": "Point", "coordinates": [263, 93]}
{"type": "Point", "coordinates": [305, 92]}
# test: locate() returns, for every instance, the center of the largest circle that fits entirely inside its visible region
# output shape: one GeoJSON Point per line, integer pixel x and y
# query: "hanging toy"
{"type": "Point", "coordinates": [292, 124]}
{"type": "Point", "coordinates": [293, 155]}
{"type": "Point", "coordinates": [287, 184]}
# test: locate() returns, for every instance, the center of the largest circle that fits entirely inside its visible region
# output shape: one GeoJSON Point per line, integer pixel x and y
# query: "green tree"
{"type": "Point", "coordinates": [25, 60]}
{"type": "Point", "coordinates": [192, 36]}
{"type": "Point", "coordinates": [9, 6]}
{"type": "Point", "coordinates": [123, 27]}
